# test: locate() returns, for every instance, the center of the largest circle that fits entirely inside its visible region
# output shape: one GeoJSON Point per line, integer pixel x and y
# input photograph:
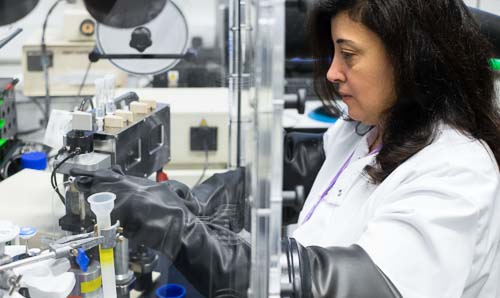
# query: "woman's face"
{"type": "Point", "coordinates": [362, 70]}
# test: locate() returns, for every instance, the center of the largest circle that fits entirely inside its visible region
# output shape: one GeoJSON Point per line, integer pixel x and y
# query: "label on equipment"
{"type": "Point", "coordinates": [91, 285]}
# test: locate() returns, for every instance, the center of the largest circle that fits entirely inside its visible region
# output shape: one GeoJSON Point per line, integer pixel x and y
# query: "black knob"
{"type": "Point", "coordinates": [294, 198]}
{"type": "Point", "coordinates": [296, 101]}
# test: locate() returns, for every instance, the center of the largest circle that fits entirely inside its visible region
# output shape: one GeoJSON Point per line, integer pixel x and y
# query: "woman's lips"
{"type": "Point", "coordinates": [345, 96]}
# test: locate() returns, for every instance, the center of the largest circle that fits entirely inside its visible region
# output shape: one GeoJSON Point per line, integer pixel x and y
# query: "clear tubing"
{"type": "Point", "coordinates": [101, 204]}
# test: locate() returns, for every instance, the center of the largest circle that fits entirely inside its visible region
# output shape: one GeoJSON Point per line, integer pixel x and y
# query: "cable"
{"type": "Point", "coordinates": [45, 62]}
{"type": "Point", "coordinates": [205, 166]}
{"type": "Point", "coordinates": [29, 131]}
{"type": "Point", "coordinates": [84, 102]}
{"type": "Point", "coordinates": [84, 79]}
{"type": "Point", "coordinates": [53, 179]}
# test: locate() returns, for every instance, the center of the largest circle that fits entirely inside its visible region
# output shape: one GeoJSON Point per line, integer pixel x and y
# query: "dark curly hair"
{"type": "Point", "coordinates": [442, 74]}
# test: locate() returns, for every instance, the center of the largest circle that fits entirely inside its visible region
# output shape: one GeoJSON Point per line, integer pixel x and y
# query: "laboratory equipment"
{"type": "Point", "coordinates": [140, 144]}
{"type": "Point", "coordinates": [171, 291]}
{"type": "Point", "coordinates": [267, 126]}
{"type": "Point", "coordinates": [125, 13]}
{"type": "Point", "coordinates": [135, 49]}
{"type": "Point", "coordinates": [101, 205]}
{"type": "Point", "coordinates": [143, 262]}
{"type": "Point", "coordinates": [189, 108]}
{"type": "Point", "coordinates": [109, 84]}
{"type": "Point", "coordinates": [141, 148]}
{"type": "Point", "coordinates": [67, 52]}
{"type": "Point", "coordinates": [8, 114]}
{"type": "Point", "coordinates": [44, 274]}
{"type": "Point", "coordinates": [8, 122]}
{"type": "Point", "coordinates": [8, 232]}
{"type": "Point", "coordinates": [125, 278]}
{"type": "Point", "coordinates": [5, 40]}
{"type": "Point", "coordinates": [36, 160]}
{"type": "Point", "coordinates": [26, 233]}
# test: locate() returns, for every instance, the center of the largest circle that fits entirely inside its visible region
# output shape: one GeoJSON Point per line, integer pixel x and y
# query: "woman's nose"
{"type": "Point", "coordinates": [335, 73]}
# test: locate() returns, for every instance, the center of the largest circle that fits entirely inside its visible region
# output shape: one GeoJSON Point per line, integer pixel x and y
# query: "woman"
{"type": "Point", "coordinates": [406, 203]}
{"type": "Point", "coordinates": [412, 177]}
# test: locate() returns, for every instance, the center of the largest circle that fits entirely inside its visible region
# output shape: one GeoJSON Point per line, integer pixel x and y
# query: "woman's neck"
{"type": "Point", "coordinates": [377, 141]}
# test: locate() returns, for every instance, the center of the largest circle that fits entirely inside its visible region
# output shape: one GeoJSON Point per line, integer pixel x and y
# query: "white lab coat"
{"type": "Point", "coordinates": [433, 225]}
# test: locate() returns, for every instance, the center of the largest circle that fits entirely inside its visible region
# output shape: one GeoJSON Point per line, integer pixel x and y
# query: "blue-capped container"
{"type": "Point", "coordinates": [27, 232]}
{"type": "Point", "coordinates": [171, 291]}
{"type": "Point", "coordinates": [36, 160]}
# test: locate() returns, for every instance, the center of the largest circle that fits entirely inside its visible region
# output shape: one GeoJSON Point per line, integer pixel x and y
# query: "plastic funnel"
{"type": "Point", "coordinates": [102, 204]}
{"type": "Point", "coordinates": [171, 291]}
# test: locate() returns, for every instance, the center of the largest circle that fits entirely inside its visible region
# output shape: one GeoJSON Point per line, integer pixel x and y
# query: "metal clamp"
{"type": "Point", "coordinates": [110, 235]}
{"type": "Point", "coordinates": [65, 245]}
{"type": "Point", "coordinates": [15, 282]}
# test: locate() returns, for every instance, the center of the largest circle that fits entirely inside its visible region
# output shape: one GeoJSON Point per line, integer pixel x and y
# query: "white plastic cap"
{"type": "Point", "coordinates": [27, 233]}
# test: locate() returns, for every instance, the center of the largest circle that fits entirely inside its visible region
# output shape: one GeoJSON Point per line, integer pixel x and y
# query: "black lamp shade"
{"type": "Point", "coordinates": [13, 10]}
{"type": "Point", "coordinates": [124, 13]}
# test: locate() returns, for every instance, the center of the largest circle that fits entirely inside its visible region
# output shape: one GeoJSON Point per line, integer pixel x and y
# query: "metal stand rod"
{"type": "Point", "coordinates": [95, 56]}
{"type": "Point", "coordinates": [10, 37]}
{"type": "Point", "coordinates": [27, 261]}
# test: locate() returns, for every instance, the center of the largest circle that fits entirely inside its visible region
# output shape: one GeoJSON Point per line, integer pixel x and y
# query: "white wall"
{"type": "Point", "coordinates": [33, 21]}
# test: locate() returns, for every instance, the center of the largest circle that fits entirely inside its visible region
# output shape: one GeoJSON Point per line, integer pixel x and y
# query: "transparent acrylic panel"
{"type": "Point", "coordinates": [268, 155]}
{"type": "Point", "coordinates": [195, 27]}
{"type": "Point", "coordinates": [213, 249]}
{"type": "Point", "coordinates": [237, 47]}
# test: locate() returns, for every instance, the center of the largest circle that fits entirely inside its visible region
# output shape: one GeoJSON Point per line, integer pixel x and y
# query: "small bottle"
{"type": "Point", "coordinates": [99, 98]}
{"type": "Point", "coordinates": [109, 85]}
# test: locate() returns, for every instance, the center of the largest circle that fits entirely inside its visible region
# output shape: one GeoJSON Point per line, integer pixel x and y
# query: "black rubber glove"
{"type": "Point", "coordinates": [164, 217]}
{"type": "Point", "coordinates": [220, 199]}
{"type": "Point", "coordinates": [111, 180]}
{"type": "Point", "coordinates": [303, 158]}
{"type": "Point", "coordinates": [342, 272]}
{"type": "Point", "coordinates": [207, 254]}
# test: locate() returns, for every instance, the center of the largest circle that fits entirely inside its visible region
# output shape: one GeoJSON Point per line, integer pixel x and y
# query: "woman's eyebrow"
{"type": "Point", "coordinates": [345, 41]}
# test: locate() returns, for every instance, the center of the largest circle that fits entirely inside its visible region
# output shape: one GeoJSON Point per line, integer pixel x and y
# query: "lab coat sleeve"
{"type": "Point", "coordinates": [423, 233]}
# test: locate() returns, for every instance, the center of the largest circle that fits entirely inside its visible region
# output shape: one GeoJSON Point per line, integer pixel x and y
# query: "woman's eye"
{"type": "Point", "coordinates": [347, 55]}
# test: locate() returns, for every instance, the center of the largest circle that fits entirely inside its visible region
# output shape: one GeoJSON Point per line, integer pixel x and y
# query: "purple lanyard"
{"type": "Point", "coordinates": [332, 183]}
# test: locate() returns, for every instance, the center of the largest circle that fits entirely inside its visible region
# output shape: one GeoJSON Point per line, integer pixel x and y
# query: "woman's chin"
{"type": "Point", "coordinates": [360, 117]}
{"type": "Point", "coordinates": [353, 115]}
